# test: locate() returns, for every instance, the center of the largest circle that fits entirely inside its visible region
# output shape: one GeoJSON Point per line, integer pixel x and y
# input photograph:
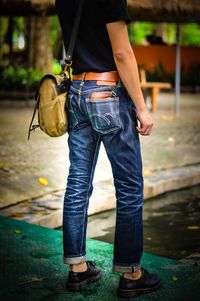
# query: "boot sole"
{"type": "Point", "coordinates": [136, 292]}
{"type": "Point", "coordinates": [77, 287]}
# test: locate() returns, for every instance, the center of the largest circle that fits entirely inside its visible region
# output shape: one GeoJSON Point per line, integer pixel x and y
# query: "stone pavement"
{"type": "Point", "coordinates": [33, 173]}
{"type": "Point", "coordinates": [32, 269]}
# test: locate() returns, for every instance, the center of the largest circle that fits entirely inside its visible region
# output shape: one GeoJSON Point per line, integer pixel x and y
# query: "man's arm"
{"type": "Point", "coordinates": [128, 71]}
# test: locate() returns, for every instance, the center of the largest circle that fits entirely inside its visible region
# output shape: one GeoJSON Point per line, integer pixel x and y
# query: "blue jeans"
{"type": "Point", "coordinates": [111, 121]}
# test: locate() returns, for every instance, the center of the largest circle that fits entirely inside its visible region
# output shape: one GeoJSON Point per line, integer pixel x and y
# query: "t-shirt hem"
{"type": "Point", "coordinates": [127, 20]}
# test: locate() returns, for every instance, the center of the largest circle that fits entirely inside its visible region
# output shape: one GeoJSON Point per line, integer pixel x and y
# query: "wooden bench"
{"type": "Point", "coordinates": [154, 88]}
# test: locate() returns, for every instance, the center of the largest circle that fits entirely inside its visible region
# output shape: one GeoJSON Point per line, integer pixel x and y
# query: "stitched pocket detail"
{"type": "Point", "coordinates": [104, 114]}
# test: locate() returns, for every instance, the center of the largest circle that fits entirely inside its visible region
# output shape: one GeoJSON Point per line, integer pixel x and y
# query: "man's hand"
{"type": "Point", "coordinates": [145, 121]}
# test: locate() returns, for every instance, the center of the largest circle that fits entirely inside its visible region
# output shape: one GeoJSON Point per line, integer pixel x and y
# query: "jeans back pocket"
{"type": "Point", "coordinates": [104, 114]}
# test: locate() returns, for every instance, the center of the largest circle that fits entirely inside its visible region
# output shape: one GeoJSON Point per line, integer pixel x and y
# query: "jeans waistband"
{"type": "Point", "coordinates": [110, 76]}
{"type": "Point", "coordinates": [94, 83]}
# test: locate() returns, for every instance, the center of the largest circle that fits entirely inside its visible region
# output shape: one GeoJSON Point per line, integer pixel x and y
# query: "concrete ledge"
{"type": "Point", "coordinates": [171, 179]}
{"type": "Point", "coordinates": [155, 184]}
{"type": "Point", "coordinates": [47, 210]}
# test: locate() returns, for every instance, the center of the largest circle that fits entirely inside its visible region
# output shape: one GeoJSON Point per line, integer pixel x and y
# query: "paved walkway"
{"type": "Point", "coordinates": [30, 169]}
{"type": "Point", "coordinates": [32, 268]}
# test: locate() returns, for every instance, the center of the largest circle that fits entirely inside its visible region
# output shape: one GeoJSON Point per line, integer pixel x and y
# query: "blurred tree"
{"type": "Point", "coordinates": [9, 36]}
{"type": "Point", "coordinates": [139, 30]}
{"type": "Point", "coordinates": [40, 51]}
{"type": "Point", "coordinates": [3, 45]}
{"type": "Point", "coordinates": [56, 38]}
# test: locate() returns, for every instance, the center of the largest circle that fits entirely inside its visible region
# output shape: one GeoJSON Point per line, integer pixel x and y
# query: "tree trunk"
{"type": "Point", "coordinates": [58, 45]}
{"type": "Point", "coordinates": [40, 52]}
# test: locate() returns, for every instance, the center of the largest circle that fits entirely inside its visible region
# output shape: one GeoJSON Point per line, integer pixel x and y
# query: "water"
{"type": "Point", "coordinates": [171, 224]}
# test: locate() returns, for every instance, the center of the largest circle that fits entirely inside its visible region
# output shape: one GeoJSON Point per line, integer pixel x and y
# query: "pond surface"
{"type": "Point", "coordinates": [171, 224]}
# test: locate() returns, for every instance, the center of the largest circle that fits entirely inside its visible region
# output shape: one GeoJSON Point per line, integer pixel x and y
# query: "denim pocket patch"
{"type": "Point", "coordinates": [73, 121]}
{"type": "Point", "coordinates": [104, 113]}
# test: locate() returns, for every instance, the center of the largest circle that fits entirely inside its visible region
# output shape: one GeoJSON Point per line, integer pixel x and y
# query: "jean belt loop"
{"type": "Point", "coordinates": [83, 78]}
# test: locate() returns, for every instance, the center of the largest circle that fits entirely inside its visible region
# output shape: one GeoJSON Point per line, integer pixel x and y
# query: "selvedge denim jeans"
{"type": "Point", "coordinates": [113, 122]}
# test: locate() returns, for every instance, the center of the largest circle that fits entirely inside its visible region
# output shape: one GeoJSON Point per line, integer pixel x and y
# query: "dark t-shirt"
{"type": "Point", "coordinates": [93, 50]}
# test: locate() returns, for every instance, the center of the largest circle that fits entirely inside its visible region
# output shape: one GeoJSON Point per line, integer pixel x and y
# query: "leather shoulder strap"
{"type": "Point", "coordinates": [70, 51]}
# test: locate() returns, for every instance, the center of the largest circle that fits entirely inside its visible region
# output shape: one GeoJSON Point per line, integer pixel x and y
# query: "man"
{"type": "Point", "coordinates": [105, 105]}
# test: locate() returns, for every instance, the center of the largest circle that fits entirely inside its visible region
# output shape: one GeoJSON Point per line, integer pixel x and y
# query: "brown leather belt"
{"type": "Point", "coordinates": [102, 78]}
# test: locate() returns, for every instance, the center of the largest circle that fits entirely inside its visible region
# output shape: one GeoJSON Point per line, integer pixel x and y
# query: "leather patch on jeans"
{"type": "Point", "coordinates": [105, 83]}
{"type": "Point", "coordinates": [101, 95]}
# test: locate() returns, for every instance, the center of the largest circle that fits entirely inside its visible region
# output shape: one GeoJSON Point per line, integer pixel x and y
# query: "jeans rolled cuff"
{"type": "Point", "coordinates": [123, 269]}
{"type": "Point", "coordinates": [74, 260]}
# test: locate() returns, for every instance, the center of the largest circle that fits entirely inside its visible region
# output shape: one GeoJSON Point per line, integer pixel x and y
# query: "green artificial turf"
{"type": "Point", "coordinates": [32, 269]}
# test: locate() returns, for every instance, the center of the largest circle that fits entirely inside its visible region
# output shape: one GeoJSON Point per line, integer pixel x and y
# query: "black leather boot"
{"type": "Point", "coordinates": [129, 288]}
{"type": "Point", "coordinates": [78, 280]}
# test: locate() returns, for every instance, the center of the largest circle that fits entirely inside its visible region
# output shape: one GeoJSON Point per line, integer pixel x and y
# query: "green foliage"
{"type": "Point", "coordinates": [19, 23]}
{"type": "Point", "coordinates": [3, 26]}
{"type": "Point", "coordinates": [190, 34]}
{"type": "Point", "coordinates": [56, 67]}
{"type": "Point", "coordinates": [170, 33]}
{"type": "Point", "coordinates": [138, 31]}
{"type": "Point", "coordinates": [19, 30]}
{"type": "Point", "coordinates": [18, 78]}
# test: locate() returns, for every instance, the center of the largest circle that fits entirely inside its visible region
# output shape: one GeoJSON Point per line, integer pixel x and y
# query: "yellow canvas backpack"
{"type": "Point", "coordinates": [52, 93]}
